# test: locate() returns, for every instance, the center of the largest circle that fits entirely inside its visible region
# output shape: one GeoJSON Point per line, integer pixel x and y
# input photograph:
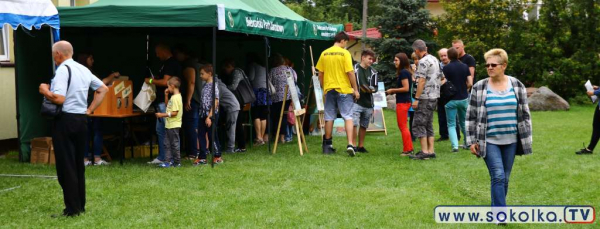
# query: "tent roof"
{"type": "Point", "coordinates": [265, 17]}
{"type": "Point", "coordinates": [29, 14]}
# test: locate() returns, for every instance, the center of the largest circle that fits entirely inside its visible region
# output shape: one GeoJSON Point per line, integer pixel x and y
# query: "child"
{"type": "Point", "coordinates": [173, 123]}
{"type": "Point", "coordinates": [208, 111]}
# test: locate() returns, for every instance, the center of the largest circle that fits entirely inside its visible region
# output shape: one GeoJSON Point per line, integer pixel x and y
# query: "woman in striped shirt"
{"type": "Point", "coordinates": [498, 122]}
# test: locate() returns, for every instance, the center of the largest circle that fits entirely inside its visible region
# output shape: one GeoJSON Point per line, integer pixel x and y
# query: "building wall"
{"type": "Point", "coordinates": [8, 116]}
{"type": "Point", "coordinates": [435, 9]}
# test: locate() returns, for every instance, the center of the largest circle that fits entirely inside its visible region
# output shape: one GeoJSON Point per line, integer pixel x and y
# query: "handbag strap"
{"type": "Point", "coordinates": [68, 81]}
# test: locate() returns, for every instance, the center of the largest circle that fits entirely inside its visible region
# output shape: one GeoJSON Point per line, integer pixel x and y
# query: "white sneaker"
{"type": "Point", "coordinates": [87, 163]}
{"type": "Point", "coordinates": [101, 162]}
{"type": "Point", "coordinates": [155, 161]}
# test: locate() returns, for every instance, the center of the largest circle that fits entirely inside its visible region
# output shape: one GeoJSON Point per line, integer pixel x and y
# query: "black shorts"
{"type": "Point", "coordinates": [260, 112]}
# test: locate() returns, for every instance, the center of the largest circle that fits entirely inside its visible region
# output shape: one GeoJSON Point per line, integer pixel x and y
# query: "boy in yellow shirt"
{"type": "Point", "coordinates": [173, 123]}
{"type": "Point", "coordinates": [339, 84]}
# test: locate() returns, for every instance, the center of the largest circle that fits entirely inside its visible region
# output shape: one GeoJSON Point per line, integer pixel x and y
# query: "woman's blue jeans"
{"type": "Point", "coordinates": [499, 160]}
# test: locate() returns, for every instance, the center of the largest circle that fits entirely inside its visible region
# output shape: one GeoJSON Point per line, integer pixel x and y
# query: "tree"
{"type": "Point", "coordinates": [483, 25]}
{"type": "Point", "coordinates": [333, 11]}
{"type": "Point", "coordinates": [560, 50]}
{"type": "Point", "coordinates": [401, 22]}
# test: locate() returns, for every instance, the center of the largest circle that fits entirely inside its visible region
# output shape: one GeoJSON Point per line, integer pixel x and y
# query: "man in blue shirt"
{"type": "Point", "coordinates": [69, 129]}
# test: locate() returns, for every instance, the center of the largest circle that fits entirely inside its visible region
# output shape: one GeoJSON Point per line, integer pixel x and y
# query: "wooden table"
{"type": "Point", "coordinates": [124, 118]}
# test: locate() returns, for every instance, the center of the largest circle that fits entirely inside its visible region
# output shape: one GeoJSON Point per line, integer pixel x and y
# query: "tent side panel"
{"type": "Point", "coordinates": [33, 55]}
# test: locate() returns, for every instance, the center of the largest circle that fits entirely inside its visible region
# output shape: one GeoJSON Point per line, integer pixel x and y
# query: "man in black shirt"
{"type": "Point", "coordinates": [465, 58]}
{"type": "Point", "coordinates": [170, 68]}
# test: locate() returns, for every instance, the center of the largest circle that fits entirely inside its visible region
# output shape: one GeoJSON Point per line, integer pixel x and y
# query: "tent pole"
{"type": "Point", "coordinates": [268, 93]}
{"type": "Point", "coordinates": [214, 121]}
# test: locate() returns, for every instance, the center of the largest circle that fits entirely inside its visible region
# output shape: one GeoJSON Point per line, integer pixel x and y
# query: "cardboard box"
{"type": "Point", "coordinates": [41, 142]}
{"type": "Point", "coordinates": [118, 100]}
{"type": "Point", "coordinates": [141, 151]}
{"type": "Point", "coordinates": [33, 157]}
{"type": "Point", "coordinates": [40, 155]}
{"type": "Point", "coordinates": [52, 157]}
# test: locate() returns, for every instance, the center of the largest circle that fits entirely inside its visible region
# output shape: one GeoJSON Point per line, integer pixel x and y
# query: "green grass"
{"type": "Point", "coordinates": [375, 190]}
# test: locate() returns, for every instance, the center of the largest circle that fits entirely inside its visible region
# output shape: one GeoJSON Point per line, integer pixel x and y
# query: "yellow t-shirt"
{"type": "Point", "coordinates": [175, 104]}
{"type": "Point", "coordinates": [335, 63]}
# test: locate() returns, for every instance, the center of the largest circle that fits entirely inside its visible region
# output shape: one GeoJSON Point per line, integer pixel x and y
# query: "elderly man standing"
{"type": "Point", "coordinates": [428, 75]}
{"type": "Point", "coordinates": [69, 88]}
{"type": "Point", "coordinates": [442, 124]}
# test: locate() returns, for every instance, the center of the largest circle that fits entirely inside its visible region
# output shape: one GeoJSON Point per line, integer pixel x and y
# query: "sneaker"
{"type": "Point", "coordinates": [229, 151]}
{"type": "Point", "coordinates": [101, 162]}
{"type": "Point", "coordinates": [200, 162]}
{"type": "Point", "coordinates": [191, 157]}
{"type": "Point", "coordinates": [258, 143]}
{"type": "Point", "coordinates": [87, 163]}
{"type": "Point", "coordinates": [350, 150]}
{"type": "Point", "coordinates": [328, 149]}
{"type": "Point", "coordinates": [240, 150]}
{"type": "Point", "coordinates": [465, 147]}
{"type": "Point", "coordinates": [441, 139]}
{"type": "Point", "coordinates": [584, 151]}
{"type": "Point", "coordinates": [218, 160]}
{"type": "Point", "coordinates": [176, 165]}
{"type": "Point", "coordinates": [406, 153]}
{"type": "Point", "coordinates": [165, 165]}
{"type": "Point", "coordinates": [455, 150]}
{"type": "Point", "coordinates": [422, 156]}
{"type": "Point", "coordinates": [361, 150]}
{"type": "Point", "coordinates": [155, 161]}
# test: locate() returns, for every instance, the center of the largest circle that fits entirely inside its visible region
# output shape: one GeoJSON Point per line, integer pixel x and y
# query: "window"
{"type": "Point", "coordinates": [4, 43]}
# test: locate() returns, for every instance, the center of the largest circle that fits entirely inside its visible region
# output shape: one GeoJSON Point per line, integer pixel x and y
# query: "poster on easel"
{"type": "Point", "coordinates": [379, 98]}
{"type": "Point", "coordinates": [318, 93]}
{"type": "Point", "coordinates": [377, 123]}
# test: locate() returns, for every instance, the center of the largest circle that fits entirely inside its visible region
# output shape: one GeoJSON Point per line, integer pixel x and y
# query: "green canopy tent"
{"type": "Point", "coordinates": [121, 32]}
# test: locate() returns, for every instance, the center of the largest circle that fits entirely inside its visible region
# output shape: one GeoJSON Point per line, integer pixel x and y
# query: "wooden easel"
{"type": "Point", "coordinates": [321, 121]}
{"type": "Point", "coordinates": [298, 125]}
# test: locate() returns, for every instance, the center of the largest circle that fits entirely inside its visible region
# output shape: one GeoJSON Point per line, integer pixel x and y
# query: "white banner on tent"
{"type": "Point", "coordinates": [221, 16]}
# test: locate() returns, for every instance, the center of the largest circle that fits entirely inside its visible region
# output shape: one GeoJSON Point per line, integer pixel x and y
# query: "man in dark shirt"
{"type": "Point", "coordinates": [366, 78]}
{"type": "Point", "coordinates": [170, 68]}
{"type": "Point", "coordinates": [465, 58]}
{"type": "Point", "coordinates": [458, 73]}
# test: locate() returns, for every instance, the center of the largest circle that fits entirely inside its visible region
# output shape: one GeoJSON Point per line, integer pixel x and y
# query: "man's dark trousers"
{"type": "Point", "coordinates": [68, 137]}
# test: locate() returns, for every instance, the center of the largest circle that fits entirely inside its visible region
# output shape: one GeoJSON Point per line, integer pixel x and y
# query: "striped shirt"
{"type": "Point", "coordinates": [501, 107]}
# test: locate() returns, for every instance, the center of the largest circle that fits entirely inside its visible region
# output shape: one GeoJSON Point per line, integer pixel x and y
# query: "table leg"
{"type": "Point", "coordinates": [131, 135]}
{"type": "Point", "coordinates": [122, 140]}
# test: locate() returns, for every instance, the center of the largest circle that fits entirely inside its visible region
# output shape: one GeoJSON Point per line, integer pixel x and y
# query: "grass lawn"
{"type": "Point", "coordinates": [256, 189]}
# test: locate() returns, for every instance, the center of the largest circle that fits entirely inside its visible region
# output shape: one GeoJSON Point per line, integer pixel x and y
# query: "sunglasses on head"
{"type": "Point", "coordinates": [493, 65]}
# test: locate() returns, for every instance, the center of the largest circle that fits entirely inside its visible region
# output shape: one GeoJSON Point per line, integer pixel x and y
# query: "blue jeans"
{"type": "Point", "coordinates": [161, 132]}
{"type": "Point", "coordinates": [499, 160]}
{"type": "Point", "coordinates": [95, 129]}
{"type": "Point", "coordinates": [453, 108]}
{"type": "Point", "coordinates": [190, 126]}
{"type": "Point", "coordinates": [290, 131]}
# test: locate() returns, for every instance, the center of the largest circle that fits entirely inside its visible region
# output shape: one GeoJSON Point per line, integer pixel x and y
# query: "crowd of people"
{"type": "Point", "coordinates": [492, 114]}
